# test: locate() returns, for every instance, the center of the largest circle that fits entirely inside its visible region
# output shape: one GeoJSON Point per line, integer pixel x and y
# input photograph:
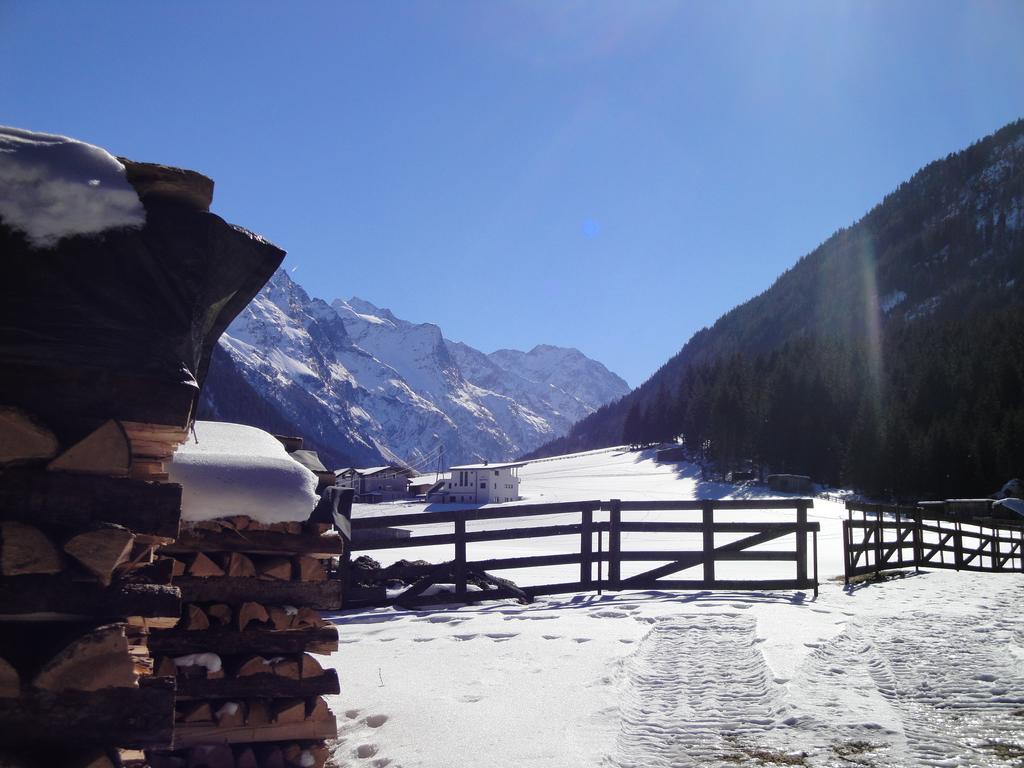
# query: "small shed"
{"type": "Point", "coordinates": [790, 483]}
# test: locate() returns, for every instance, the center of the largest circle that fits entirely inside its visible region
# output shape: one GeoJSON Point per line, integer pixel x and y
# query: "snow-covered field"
{"type": "Point", "coordinates": [926, 670]}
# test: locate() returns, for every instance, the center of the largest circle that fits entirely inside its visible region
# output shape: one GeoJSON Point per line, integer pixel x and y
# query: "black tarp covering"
{"type": "Point", "coordinates": [123, 324]}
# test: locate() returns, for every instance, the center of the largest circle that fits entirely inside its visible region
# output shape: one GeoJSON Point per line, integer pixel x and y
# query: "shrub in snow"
{"type": "Point", "coordinates": [52, 187]}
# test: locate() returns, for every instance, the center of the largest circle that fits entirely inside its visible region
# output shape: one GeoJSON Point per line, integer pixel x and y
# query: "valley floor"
{"type": "Point", "coordinates": [924, 670]}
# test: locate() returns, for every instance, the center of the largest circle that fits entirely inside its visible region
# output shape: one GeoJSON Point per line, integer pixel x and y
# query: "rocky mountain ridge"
{"type": "Point", "coordinates": [365, 386]}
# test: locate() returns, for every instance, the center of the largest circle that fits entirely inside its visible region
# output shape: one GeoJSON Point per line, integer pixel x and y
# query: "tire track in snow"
{"type": "Point", "coordinates": [694, 687]}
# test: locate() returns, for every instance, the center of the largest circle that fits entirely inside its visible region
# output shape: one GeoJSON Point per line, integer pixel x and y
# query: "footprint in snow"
{"type": "Point", "coordinates": [581, 639]}
{"type": "Point", "coordinates": [551, 637]}
{"type": "Point", "coordinates": [364, 751]}
{"type": "Point", "coordinates": [352, 714]}
{"type": "Point", "coordinates": [423, 639]}
{"type": "Point", "coordinates": [469, 699]}
{"type": "Point", "coordinates": [500, 636]}
{"type": "Point", "coordinates": [626, 640]}
{"type": "Point", "coordinates": [375, 721]}
{"type": "Point", "coordinates": [461, 638]}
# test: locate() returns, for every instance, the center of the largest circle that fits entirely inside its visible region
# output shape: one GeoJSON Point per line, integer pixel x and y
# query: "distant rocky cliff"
{"type": "Point", "coordinates": [364, 386]}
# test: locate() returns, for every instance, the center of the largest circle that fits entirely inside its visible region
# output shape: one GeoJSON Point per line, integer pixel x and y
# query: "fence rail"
{"type": "Point", "coordinates": [590, 519]}
{"type": "Point", "coordinates": [889, 537]}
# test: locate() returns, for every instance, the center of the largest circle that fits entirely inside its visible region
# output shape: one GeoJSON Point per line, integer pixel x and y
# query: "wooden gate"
{"type": "Point", "coordinates": [712, 541]}
{"type": "Point", "coordinates": [889, 537]}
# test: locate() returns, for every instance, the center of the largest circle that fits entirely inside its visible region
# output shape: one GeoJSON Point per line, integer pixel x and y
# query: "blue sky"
{"type": "Point", "coordinates": [609, 176]}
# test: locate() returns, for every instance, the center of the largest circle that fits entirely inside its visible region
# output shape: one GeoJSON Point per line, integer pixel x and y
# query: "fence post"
{"type": "Point", "coordinates": [801, 541]}
{"type": "Point", "coordinates": [847, 552]}
{"type": "Point", "coordinates": [814, 542]}
{"type": "Point", "coordinates": [614, 544]}
{"type": "Point", "coordinates": [878, 541]}
{"type": "Point", "coordinates": [918, 542]}
{"type": "Point", "coordinates": [708, 510]}
{"type": "Point", "coordinates": [958, 546]}
{"type": "Point", "coordinates": [460, 557]}
{"type": "Point", "coordinates": [586, 546]}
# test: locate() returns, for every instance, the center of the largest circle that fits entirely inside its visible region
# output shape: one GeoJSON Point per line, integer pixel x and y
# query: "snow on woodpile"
{"type": "Point", "coordinates": [231, 469]}
{"type": "Point", "coordinates": [54, 186]}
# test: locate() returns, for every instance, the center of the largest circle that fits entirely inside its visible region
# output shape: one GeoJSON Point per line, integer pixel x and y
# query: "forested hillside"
{"type": "Point", "coordinates": [891, 358]}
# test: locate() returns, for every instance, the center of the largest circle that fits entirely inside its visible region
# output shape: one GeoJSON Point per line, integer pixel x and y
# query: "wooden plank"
{"type": "Point", "coordinates": [586, 547]}
{"type": "Point", "coordinates": [483, 513]}
{"type": "Point", "coordinates": [801, 542]}
{"type": "Point", "coordinates": [227, 641]}
{"type": "Point", "coordinates": [256, 542]}
{"type": "Point", "coordinates": [472, 536]}
{"type": "Point", "coordinates": [26, 595]}
{"type": "Point", "coordinates": [459, 569]}
{"type": "Point", "coordinates": [307, 730]}
{"type": "Point", "coordinates": [123, 717]}
{"type": "Point", "coordinates": [74, 502]}
{"type": "Point", "coordinates": [267, 686]}
{"type": "Point", "coordinates": [708, 515]}
{"type": "Point", "coordinates": [614, 543]}
{"type": "Point", "coordinates": [320, 595]}
{"type": "Point", "coordinates": [693, 505]}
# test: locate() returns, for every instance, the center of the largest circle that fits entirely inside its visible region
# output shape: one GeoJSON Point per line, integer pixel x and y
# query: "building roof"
{"type": "Point", "coordinates": [343, 471]}
{"type": "Point", "coordinates": [366, 472]}
{"type": "Point", "coordinates": [504, 465]}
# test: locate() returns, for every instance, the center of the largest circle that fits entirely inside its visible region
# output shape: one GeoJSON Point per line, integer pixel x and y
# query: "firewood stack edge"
{"type": "Point", "coordinates": [249, 684]}
{"type": "Point", "coordinates": [80, 588]}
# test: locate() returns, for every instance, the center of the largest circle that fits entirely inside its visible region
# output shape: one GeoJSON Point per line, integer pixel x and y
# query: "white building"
{"type": "Point", "coordinates": [483, 483]}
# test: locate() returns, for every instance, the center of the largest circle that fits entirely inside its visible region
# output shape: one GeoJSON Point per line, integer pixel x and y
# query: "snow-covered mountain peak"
{"type": "Point", "coordinates": [400, 389]}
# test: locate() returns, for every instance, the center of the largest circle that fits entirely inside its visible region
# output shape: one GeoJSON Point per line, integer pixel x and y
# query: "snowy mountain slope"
{"type": "Point", "coordinates": [367, 385]}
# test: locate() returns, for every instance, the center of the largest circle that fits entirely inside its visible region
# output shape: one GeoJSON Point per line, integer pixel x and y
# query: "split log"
{"type": "Point", "coordinates": [259, 686]}
{"type": "Point", "coordinates": [178, 567]}
{"type": "Point", "coordinates": [323, 595]}
{"type": "Point", "coordinates": [211, 756]}
{"type": "Point", "coordinates": [10, 680]}
{"type": "Point", "coordinates": [311, 569]}
{"type": "Point", "coordinates": [220, 613]}
{"type": "Point", "coordinates": [77, 502]}
{"type": "Point", "coordinates": [257, 714]}
{"type": "Point", "coordinates": [254, 665]}
{"type": "Point", "coordinates": [317, 709]}
{"type": "Point", "coordinates": [231, 714]}
{"type": "Point", "coordinates": [256, 732]}
{"type": "Point", "coordinates": [132, 758]}
{"type": "Point", "coordinates": [290, 527]}
{"type": "Point", "coordinates": [23, 438]}
{"type": "Point", "coordinates": [257, 542]}
{"type": "Point", "coordinates": [129, 717]}
{"type": "Point", "coordinates": [309, 666]}
{"type": "Point", "coordinates": [273, 758]}
{"type": "Point", "coordinates": [254, 641]}
{"type": "Point", "coordinates": [280, 618]}
{"type": "Point", "coordinates": [158, 572]}
{"type": "Point", "coordinates": [59, 596]}
{"type": "Point", "coordinates": [246, 758]}
{"type": "Point", "coordinates": [203, 567]}
{"type": "Point", "coordinates": [307, 617]}
{"type": "Point", "coordinates": [100, 551]}
{"type": "Point", "coordinates": [249, 612]}
{"type": "Point", "coordinates": [195, 712]}
{"type": "Point", "coordinates": [194, 618]}
{"type": "Point", "coordinates": [287, 668]}
{"type": "Point", "coordinates": [25, 550]}
{"type": "Point", "coordinates": [240, 565]}
{"type": "Point", "coordinates": [97, 660]}
{"type": "Point", "coordinates": [288, 711]}
{"type": "Point", "coordinates": [106, 451]}
{"type": "Point", "coordinates": [275, 568]}
{"type": "Point", "coordinates": [238, 522]}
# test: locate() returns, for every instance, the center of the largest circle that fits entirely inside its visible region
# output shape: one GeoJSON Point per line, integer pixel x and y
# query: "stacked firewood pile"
{"type": "Point", "coordinates": [80, 589]}
{"type": "Point", "coordinates": [249, 685]}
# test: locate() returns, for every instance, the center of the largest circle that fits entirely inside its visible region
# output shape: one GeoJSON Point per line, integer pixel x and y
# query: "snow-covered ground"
{"type": "Point", "coordinates": [926, 670]}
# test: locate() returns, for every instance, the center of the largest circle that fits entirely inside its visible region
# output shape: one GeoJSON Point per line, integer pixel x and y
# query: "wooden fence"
{"type": "Point", "coordinates": [888, 537]}
{"type": "Point", "coordinates": [607, 521]}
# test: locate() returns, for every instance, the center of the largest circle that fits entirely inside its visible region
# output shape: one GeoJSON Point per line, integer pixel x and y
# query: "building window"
{"type": "Point", "coordinates": [483, 485]}
{"type": "Point", "coordinates": [495, 473]}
